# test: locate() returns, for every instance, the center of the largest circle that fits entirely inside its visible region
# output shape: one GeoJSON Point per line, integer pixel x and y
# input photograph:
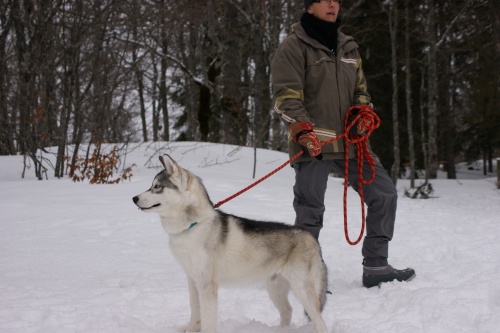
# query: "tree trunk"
{"type": "Point", "coordinates": [7, 133]}
{"type": "Point", "coordinates": [448, 118]}
{"type": "Point", "coordinates": [262, 98]}
{"type": "Point", "coordinates": [154, 104]}
{"type": "Point", "coordinates": [204, 111]}
{"type": "Point", "coordinates": [424, 140]}
{"type": "Point", "coordinates": [140, 91]}
{"type": "Point", "coordinates": [393, 16]}
{"type": "Point", "coordinates": [498, 172]}
{"type": "Point", "coordinates": [409, 113]}
{"type": "Point", "coordinates": [27, 71]}
{"type": "Point", "coordinates": [494, 6]}
{"type": "Point", "coordinates": [234, 116]}
{"type": "Point", "coordinates": [65, 116]}
{"type": "Point", "coordinates": [163, 99]}
{"type": "Point", "coordinates": [99, 81]}
{"type": "Point", "coordinates": [70, 88]}
{"type": "Point", "coordinates": [432, 90]}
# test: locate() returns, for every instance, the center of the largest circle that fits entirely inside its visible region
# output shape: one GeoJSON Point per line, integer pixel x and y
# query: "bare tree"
{"type": "Point", "coordinates": [261, 87]}
{"type": "Point", "coordinates": [408, 94]}
{"type": "Point", "coordinates": [495, 19]}
{"type": "Point", "coordinates": [70, 44]}
{"type": "Point", "coordinates": [7, 134]}
{"type": "Point", "coordinates": [391, 9]}
{"type": "Point", "coordinates": [234, 116]}
{"type": "Point", "coordinates": [432, 88]}
{"type": "Point", "coordinates": [33, 25]}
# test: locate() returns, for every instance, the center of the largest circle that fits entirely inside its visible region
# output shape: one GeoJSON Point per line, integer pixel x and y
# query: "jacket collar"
{"type": "Point", "coordinates": [346, 43]}
{"type": "Point", "coordinates": [323, 31]}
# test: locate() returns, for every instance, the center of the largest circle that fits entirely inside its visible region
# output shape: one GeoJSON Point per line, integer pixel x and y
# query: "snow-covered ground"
{"type": "Point", "coordinates": [76, 257]}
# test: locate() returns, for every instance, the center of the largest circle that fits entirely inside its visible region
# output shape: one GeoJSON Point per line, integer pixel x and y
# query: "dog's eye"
{"type": "Point", "coordinates": [157, 187]}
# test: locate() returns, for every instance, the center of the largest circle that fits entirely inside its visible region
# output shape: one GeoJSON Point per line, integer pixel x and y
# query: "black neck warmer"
{"type": "Point", "coordinates": [323, 31]}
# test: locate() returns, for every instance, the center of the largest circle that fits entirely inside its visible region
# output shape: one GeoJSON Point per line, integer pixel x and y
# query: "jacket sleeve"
{"type": "Point", "coordinates": [287, 73]}
{"type": "Point", "coordinates": [361, 95]}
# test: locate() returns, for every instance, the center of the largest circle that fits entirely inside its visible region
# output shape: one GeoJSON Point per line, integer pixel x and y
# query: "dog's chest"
{"type": "Point", "coordinates": [191, 256]}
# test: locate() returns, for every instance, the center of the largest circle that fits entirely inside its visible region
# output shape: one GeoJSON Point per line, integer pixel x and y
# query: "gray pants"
{"type": "Point", "coordinates": [380, 198]}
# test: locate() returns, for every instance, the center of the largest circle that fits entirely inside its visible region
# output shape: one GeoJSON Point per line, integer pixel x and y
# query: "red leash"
{"type": "Point", "coordinates": [365, 118]}
{"type": "Point", "coordinates": [220, 203]}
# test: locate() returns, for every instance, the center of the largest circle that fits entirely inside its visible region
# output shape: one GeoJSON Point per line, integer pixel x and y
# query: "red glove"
{"type": "Point", "coordinates": [362, 125]}
{"type": "Point", "coordinates": [302, 132]}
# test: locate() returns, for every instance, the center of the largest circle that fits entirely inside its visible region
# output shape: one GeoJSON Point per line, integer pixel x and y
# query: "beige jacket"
{"type": "Point", "coordinates": [311, 83]}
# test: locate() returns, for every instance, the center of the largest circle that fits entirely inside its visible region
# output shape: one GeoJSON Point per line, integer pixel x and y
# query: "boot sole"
{"type": "Point", "coordinates": [381, 283]}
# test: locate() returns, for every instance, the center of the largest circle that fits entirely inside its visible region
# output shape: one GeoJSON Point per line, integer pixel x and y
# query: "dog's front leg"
{"type": "Point", "coordinates": [194, 301]}
{"type": "Point", "coordinates": [208, 303]}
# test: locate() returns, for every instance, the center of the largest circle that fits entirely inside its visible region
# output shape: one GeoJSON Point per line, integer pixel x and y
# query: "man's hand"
{"type": "Point", "coordinates": [361, 126]}
{"type": "Point", "coordinates": [302, 132]}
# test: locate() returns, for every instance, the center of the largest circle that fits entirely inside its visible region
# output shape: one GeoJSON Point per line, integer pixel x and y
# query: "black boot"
{"type": "Point", "coordinates": [374, 277]}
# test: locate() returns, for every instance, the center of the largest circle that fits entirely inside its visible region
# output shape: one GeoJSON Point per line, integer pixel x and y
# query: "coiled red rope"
{"type": "Point", "coordinates": [366, 120]}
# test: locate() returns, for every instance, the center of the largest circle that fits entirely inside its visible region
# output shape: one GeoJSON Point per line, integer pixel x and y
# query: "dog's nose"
{"type": "Point", "coordinates": [135, 199]}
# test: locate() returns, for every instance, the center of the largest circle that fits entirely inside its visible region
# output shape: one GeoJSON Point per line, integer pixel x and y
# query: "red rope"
{"type": "Point", "coordinates": [369, 121]}
{"type": "Point", "coordinates": [365, 118]}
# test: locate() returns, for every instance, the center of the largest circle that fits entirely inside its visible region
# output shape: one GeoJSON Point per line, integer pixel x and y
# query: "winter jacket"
{"type": "Point", "coordinates": [313, 84]}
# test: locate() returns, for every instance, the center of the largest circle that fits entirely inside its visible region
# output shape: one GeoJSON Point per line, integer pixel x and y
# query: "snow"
{"type": "Point", "coordinates": [81, 258]}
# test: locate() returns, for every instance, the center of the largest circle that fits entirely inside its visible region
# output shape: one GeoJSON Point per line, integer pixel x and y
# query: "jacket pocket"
{"type": "Point", "coordinates": [349, 69]}
{"type": "Point", "coordinates": [320, 73]}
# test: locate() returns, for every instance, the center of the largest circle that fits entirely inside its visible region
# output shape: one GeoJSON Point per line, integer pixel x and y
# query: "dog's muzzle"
{"type": "Point", "coordinates": [136, 199]}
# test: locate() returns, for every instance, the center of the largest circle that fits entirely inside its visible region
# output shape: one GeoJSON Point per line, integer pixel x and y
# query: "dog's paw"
{"type": "Point", "coordinates": [191, 327]}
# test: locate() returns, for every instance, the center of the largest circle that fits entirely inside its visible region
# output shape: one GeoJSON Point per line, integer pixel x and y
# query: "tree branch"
{"type": "Point", "coordinates": [197, 79]}
{"type": "Point", "coordinates": [451, 24]}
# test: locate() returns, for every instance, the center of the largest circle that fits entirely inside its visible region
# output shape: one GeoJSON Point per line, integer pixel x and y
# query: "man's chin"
{"type": "Point", "coordinates": [330, 18]}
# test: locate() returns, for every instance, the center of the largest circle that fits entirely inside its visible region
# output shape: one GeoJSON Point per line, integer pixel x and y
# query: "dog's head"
{"type": "Point", "coordinates": [167, 188]}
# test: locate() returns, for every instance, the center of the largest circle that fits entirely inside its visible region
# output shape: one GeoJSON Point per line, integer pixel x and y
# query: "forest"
{"type": "Point", "coordinates": [81, 73]}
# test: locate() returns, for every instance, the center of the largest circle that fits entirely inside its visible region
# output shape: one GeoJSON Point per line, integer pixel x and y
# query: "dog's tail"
{"type": "Point", "coordinates": [324, 287]}
{"type": "Point", "coordinates": [321, 286]}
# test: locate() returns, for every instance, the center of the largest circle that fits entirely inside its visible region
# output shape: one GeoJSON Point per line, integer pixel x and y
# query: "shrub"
{"type": "Point", "coordinates": [99, 168]}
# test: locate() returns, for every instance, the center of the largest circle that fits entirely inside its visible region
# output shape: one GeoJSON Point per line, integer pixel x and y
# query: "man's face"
{"type": "Point", "coordinates": [326, 10]}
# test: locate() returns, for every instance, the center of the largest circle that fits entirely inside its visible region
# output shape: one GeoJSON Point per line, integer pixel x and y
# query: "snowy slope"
{"type": "Point", "coordinates": [81, 258]}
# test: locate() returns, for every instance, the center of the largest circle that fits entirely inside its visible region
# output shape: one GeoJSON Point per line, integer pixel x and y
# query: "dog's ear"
{"type": "Point", "coordinates": [169, 164]}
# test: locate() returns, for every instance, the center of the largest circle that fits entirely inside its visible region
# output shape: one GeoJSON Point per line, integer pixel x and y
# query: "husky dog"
{"type": "Point", "coordinates": [215, 248]}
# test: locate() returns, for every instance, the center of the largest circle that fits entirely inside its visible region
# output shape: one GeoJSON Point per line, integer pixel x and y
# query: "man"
{"type": "Point", "coordinates": [317, 76]}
